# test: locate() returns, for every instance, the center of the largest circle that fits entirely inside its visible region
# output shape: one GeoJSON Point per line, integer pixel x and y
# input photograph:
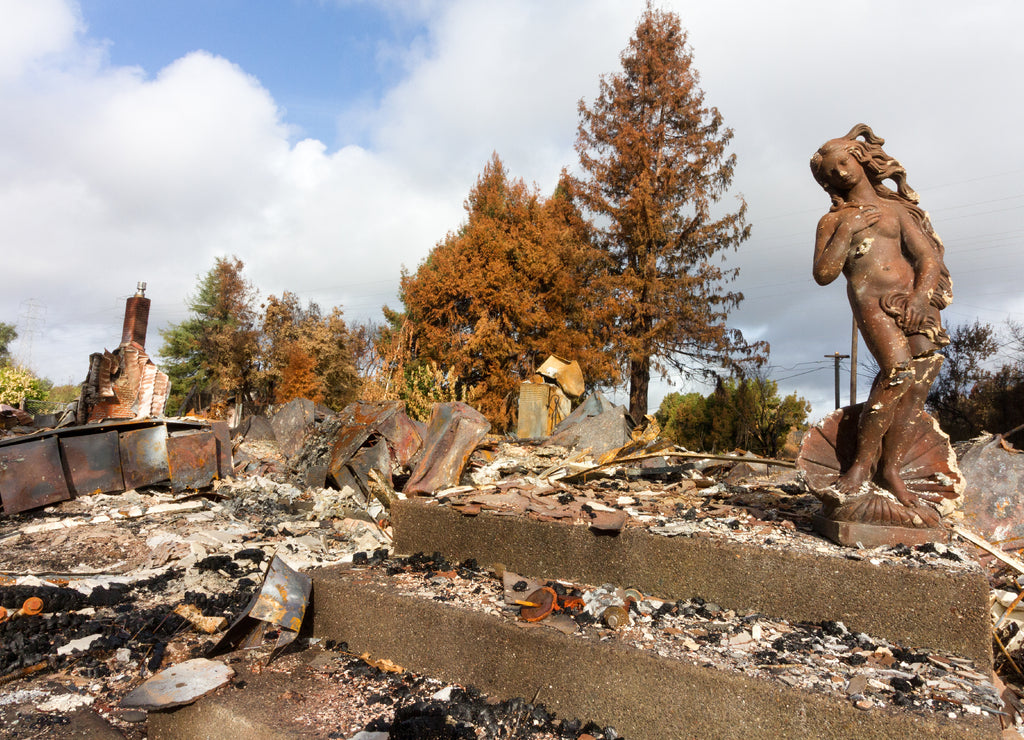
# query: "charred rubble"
{"type": "Point", "coordinates": [127, 574]}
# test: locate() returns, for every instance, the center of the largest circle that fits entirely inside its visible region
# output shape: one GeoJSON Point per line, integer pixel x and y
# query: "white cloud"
{"type": "Point", "coordinates": [113, 174]}
{"type": "Point", "coordinates": [33, 30]}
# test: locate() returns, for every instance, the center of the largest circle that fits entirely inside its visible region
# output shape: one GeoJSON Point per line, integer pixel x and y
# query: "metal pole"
{"type": "Point", "coordinates": [853, 365]}
{"type": "Point", "coordinates": [837, 358]}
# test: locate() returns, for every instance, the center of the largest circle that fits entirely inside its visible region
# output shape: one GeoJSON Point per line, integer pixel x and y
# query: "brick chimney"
{"type": "Point", "coordinates": [136, 318]}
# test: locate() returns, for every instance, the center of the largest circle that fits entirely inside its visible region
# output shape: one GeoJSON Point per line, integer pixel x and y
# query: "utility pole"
{"type": "Point", "coordinates": [837, 358]}
{"type": "Point", "coordinates": [853, 365]}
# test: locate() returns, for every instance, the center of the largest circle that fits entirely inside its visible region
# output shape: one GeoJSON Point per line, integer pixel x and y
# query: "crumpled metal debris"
{"type": "Point", "coordinates": [993, 503]}
{"type": "Point", "coordinates": [454, 431]}
{"type": "Point", "coordinates": [180, 684]}
{"type": "Point", "coordinates": [596, 424]}
{"type": "Point", "coordinates": [281, 601]}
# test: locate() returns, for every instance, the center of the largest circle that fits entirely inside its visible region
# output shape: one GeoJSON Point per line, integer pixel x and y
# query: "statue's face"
{"type": "Point", "coordinates": [840, 168]}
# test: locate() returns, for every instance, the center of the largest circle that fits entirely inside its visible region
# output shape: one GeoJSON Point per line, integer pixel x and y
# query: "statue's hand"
{"type": "Point", "coordinates": [862, 217]}
{"type": "Point", "coordinates": [916, 312]}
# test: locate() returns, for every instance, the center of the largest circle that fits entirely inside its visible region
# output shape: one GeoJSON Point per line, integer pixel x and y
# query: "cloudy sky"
{"type": "Point", "coordinates": [327, 143]}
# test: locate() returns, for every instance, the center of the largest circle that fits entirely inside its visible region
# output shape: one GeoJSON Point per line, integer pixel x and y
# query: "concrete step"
{"type": "Point", "coordinates": [642, 695]}
{"type": "Point", "coordinates": [903, 602]}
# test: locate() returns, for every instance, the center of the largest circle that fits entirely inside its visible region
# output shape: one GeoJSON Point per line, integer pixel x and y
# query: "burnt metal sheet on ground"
{"type": "Point", "coordinates": [180, 684]}
{"type": "Point", "coordinates": [144, 456]}
{"type": "Point", "coordinates": [994, 496]}
{"type": "Point", "coordinates": [281, 601]}
{"type": "Point", "coordinates": [454, 431]}
{"type": "Point", "coordinates": [92, 463]}
{"type": "Point", "coordinates": [225, 466]}
{"type": "Point", "coordinates": [192, 459]}
{"type": "Point", "coordinates": [31, 475]}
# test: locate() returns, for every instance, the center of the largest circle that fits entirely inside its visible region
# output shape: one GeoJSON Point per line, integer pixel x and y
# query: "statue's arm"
{"type": "Point", "coordinates": [831, 246]}
{"type": "Point", "coordinates": [927, 269]}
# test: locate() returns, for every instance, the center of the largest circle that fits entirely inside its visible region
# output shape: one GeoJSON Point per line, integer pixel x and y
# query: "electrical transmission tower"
{"type": "Point", "coordinates": [31, 319]}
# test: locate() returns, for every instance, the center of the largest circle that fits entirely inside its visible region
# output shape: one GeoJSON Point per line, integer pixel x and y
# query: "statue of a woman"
{"type": "Point", "coordinates": [897, 283]}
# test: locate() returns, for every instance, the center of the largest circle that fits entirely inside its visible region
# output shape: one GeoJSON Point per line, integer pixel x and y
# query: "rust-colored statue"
{"type": "Point", "coordinates": [886, 454]}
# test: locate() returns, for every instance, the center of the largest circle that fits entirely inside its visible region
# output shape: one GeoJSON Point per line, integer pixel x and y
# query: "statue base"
{"type": "Point", "coordinates": [852, 534]}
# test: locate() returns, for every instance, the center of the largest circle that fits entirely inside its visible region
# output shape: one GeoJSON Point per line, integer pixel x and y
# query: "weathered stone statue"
{"type": "Point", "coordinates": [883, 463]}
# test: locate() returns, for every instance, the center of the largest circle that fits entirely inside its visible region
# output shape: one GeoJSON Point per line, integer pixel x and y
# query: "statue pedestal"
{"type": "Point", "coordinates": [873, 516]}
{"type": "Point", "coordinates": [852, 534]}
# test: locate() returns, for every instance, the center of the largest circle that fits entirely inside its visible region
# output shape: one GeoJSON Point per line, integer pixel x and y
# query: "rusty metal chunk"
{"type": "Point", "coordinates": [454, 431]}
{"type": "Point", "coordinates": [192, 459]}
{"type": "Point", "coordinates": [359, 421]}
{"type": "Point", "coordinates": [221, 431]}
{"type": "Point", "coordinates": [544, 601]}
{"type": "Point", "coordinates": [92, 463]}
{"type": "Point", "coordinates": [144, 456]}
{"type": "Point", "coordinates": [31, 475]}
{"type": "Point", "coordinates": [281, 601]}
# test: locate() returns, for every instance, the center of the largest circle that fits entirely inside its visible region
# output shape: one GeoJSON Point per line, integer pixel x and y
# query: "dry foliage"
{"type": "Point", "coordinates": [496, 297]}
{"type": "Point", "coordinates": [655, 160]}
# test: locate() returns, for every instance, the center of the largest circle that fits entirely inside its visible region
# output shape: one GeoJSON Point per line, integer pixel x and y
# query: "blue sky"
{"type": "Point", "coordinates": [328, 144]}
{"type": "Point", "coordinates": [314, 57]}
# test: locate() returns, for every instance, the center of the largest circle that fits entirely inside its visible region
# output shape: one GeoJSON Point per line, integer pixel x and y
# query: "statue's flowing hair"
{"type": "Point", "coordinates": [879, 166]}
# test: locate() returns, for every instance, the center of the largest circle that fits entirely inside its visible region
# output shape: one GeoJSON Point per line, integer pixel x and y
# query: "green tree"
{"type": "Point", "coordinates": [746, 413]}
{"type": "Point", "coordinates": [7, 335]}
{"type": "Point", "coordinates": [215, 349]}
{"type": "Point", "coordinates": [655, 163]}
{"type": "Point", "coordinates": [974, 393]}
{"type": "Point", "coordinates": [497, 296]}
{"type": "Point", "coordinates": [19, 384]}
{"type": "Point", "coordinates": [970, 347]}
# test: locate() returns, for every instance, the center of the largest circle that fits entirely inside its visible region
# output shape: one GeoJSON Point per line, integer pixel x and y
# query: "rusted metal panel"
{"type": "Point", "coordinates": [31, 475]}
{"type": "Point", "coordinates": [192, 460]}
{"type": "Point", "coordinates": [533, 411]}
{"type": "Point", "coordinates": [281, 601]}
{"type": "Point", "coordinates": [225, 466]}
{"type": "Point", "coordinates": [360, 420]}
{"type": "Point", "coordinates": [454, 431]}
{"type": "Point", "coordinates": [403, 438]}
{"type": "Point", "coordinates": [374, 457]}
{"type": "Point", "coordinates": [994, 497]}
{"type": "Point", "coordinates": [144, 456]}
{"type": "Point", "coordinates": [92, 463]}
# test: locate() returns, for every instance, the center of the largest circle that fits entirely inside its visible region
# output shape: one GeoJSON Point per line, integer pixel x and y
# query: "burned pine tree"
{"type": "Point", "coordinates": [655, 163]}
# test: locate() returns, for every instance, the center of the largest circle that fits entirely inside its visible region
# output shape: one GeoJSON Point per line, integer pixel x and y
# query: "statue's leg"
{"type": "Point", "coordinates": [900, 436]}
{"type": "Point", "coordinates": [884, 401]}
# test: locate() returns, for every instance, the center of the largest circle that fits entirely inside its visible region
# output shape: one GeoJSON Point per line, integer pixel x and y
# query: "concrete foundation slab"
{"type": "Point", "coordinates": [919, 607]}
{"type": "Point", "coordinates": [641, 695]}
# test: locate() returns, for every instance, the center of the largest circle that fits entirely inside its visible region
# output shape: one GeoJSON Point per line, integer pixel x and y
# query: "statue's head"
{"type": "Point", "coordinates": [836, 165]}
{"type": "Point", "coordinates": [865, 149]}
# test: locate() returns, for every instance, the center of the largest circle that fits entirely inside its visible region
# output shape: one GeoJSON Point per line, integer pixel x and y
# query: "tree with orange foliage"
{"type": "Point", "coordinates": [302, 348]}
{"type": "Point", "coordinates": [655, 162]}
{"type": "Point", "coordinates": [299, 378]}
{"type": "Point", "coordinates": [508, 288]}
